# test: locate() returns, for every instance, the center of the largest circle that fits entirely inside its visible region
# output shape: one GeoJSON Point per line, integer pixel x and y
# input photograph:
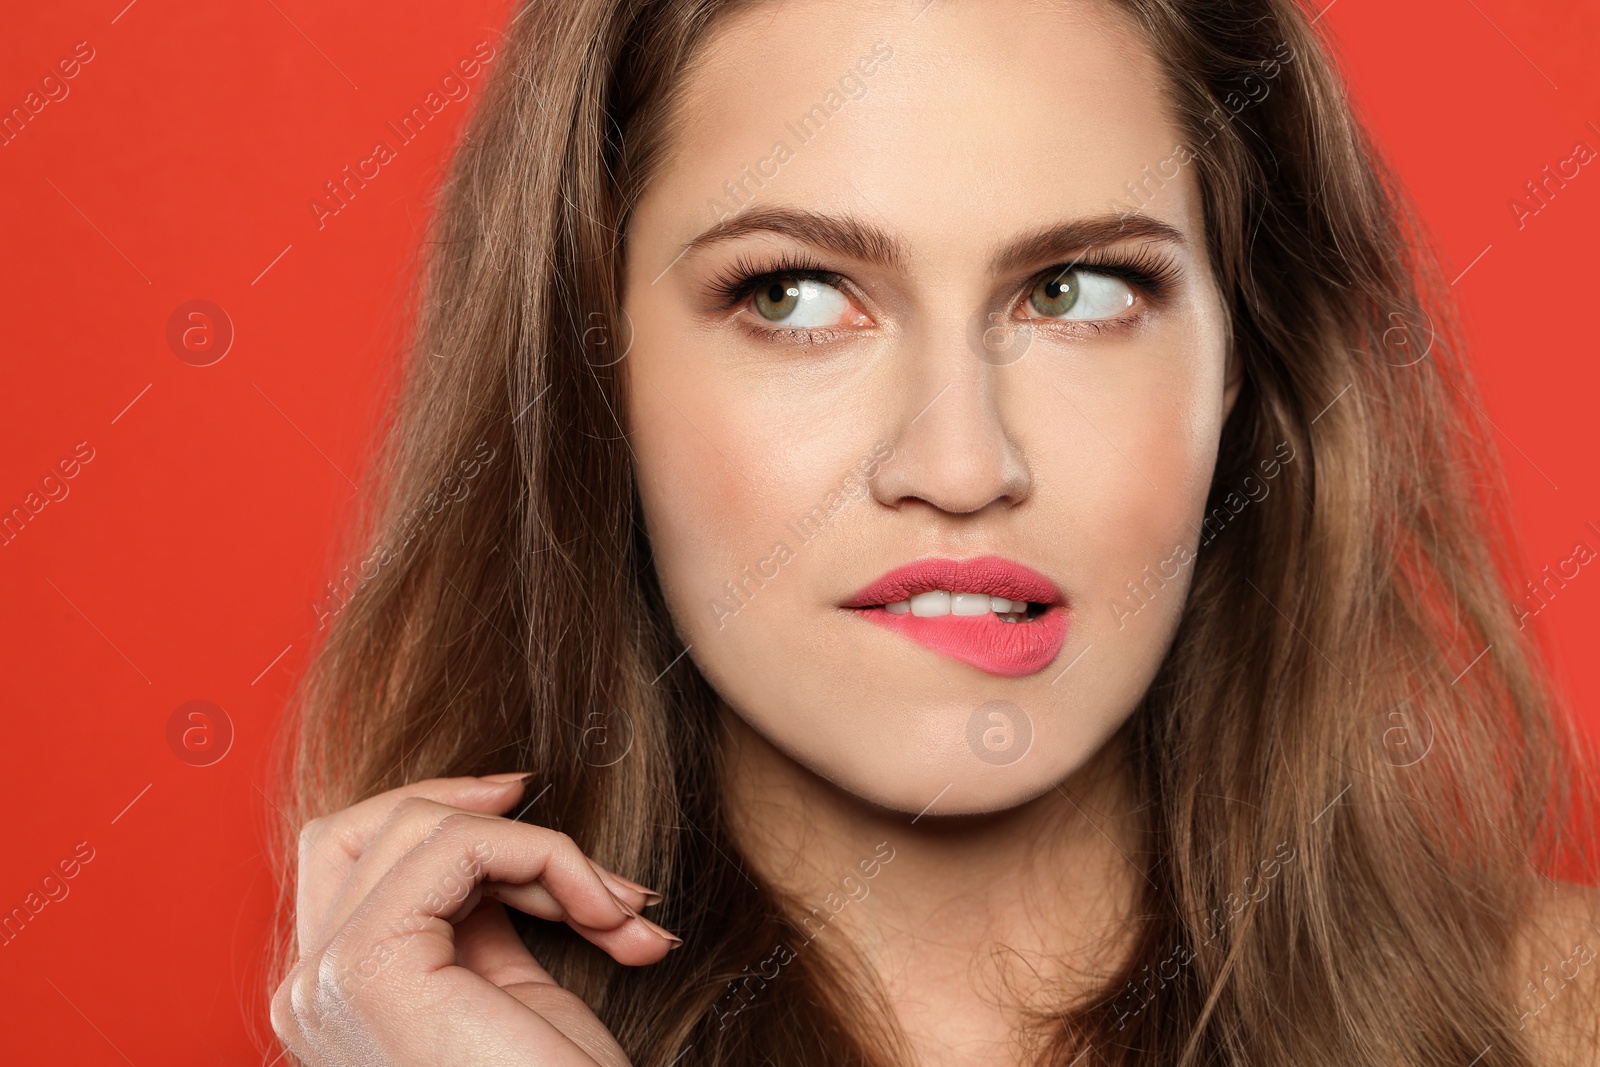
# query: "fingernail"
{"type": "Point", "coordinates": [629, 912]}
{"type": "Point", "coordinates": [508, 777]}
{"type": "Point", "coordinates": [616, 882]}
{"type": "Point", "coordinates": [672, 939]}
{"type": "Point", "coordinates": [651, 896]}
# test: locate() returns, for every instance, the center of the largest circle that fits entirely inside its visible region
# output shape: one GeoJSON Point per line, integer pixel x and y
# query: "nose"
{"type": "Point", "coordinates": [953, 449]}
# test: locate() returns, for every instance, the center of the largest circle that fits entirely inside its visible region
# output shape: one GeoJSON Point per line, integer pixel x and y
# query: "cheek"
{"type": "Point", "coordinates": [1124, 474]}
{"type": "Point", "coordinates": [694, 478]}
{"type": "Point", "coordinates": [1148, 533]}
{"type": "Point", "coordinates": [1168, 454]}
{"type": "Point", "coordinates": [736, 474]}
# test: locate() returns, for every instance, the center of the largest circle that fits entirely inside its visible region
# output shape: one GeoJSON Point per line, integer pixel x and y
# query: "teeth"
{"type": "Point", "coordinates": [937, 602]}
{"type": "Point", "coordinates": [969, 603]}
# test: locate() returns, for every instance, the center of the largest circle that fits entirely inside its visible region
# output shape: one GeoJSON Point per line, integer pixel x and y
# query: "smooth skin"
{"type": "Point", "coordinates": [1087, 459]}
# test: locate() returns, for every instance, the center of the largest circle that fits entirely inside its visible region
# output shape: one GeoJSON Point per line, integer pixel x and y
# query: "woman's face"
{"type": "Point", "coordinates": [925, 385]}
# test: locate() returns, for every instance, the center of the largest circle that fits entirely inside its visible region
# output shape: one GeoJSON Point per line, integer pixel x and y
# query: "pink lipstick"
{"type": "Point", "coordinates": [989, 612]}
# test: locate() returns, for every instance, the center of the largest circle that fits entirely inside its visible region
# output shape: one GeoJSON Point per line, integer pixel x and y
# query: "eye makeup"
{"type": "Point", "coordinates": [1151, 273]}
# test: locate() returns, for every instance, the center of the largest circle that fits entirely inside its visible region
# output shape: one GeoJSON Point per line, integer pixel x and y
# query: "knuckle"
{"type": "Point", "coordinates": [327, 839]}
{"type": "Point", "coordinates": [454, 824]}
{"type": "Point", "coordinates": [410, 811]}
{"type": "Point", "coordinates": [293, 1011]}
{"type": "Point", "coordinates": [303, 1004]}
{"type": "Point", "coordinates": [329, 985]}
{"type": "Point", "coordinates": [339, 976]}
{"type": "Point", "coordinates": [411, 807]}
{"type": "Point", "coordinates": [326, 986]}
{"type": "Point", "coordinates": [282, 1012]}
{"type": "Point", "coordinates": [311, 835]}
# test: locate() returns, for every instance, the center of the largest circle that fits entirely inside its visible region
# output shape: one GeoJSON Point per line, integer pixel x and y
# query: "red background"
{"type": "Point", "coordinates": [182, 563]}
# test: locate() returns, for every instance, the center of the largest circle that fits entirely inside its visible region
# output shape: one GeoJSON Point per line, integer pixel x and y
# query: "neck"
{"type": "Point", "coordinates": [967, 921]}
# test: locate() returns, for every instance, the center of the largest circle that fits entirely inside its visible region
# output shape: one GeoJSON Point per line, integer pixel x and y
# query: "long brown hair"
{"type": "Point", "coordinates": [1352, 769]}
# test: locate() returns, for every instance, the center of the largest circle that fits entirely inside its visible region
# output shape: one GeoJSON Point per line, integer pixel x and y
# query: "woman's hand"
{"type": "Point", "coordinates": [407, 959]}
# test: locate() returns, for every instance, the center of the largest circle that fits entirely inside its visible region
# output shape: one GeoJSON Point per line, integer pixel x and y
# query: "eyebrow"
{"type": "Point", "coordinates": [864, 241]}
{"type": "Point", "coordinates": [1061, 241]}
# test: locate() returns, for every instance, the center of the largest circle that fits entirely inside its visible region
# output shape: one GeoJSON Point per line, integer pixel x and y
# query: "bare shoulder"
{"type": "Point", "coordinates": [1557, 974]}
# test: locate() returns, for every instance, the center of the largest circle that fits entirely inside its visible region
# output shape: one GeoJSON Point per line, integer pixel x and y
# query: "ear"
{"type": "Point", "coordinates": [1234, 378]}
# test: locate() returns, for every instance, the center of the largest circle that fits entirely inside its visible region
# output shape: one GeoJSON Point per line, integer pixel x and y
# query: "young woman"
{"type": "Point", "coordinates": [975, 504]}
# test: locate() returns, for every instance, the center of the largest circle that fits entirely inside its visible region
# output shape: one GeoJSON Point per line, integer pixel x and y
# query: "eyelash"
{"type": "Point", "coordinates": [740, 281]}
{"type": "Point", "coordinates": [1154, 274]}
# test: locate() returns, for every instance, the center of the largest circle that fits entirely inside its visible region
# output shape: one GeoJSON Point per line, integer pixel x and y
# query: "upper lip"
{"type": "Point", "coordinates": [994, 575]}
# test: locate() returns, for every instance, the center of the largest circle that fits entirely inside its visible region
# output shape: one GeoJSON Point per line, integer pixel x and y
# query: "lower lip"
{"type": "Point", "coordinates": [1008, 649]}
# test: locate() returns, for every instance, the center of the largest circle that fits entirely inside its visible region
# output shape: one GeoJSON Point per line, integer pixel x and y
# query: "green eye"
{"type": "Point", "coordinates": [1056, 295]}
{"type": "Point", "coordinates": [1084, 295]}
{"type": "Point", "coordinates": [776, 301]}
{"type": "Point", "coordinates": [797, 302]}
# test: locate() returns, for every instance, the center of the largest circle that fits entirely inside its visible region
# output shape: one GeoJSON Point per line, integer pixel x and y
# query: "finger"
{"type": "Point", "coordinates": [408, 824]}
{"type": "Point", "coordinates": [330, 847]}
{"type": "Point", "coordinates": [487, 943]}
{"type": "Point", "coordinates": [534, 899]}
{"type": "Point", "coordinates": [513, 855]}
{"type": "Point", "coordinates": [635, 894]}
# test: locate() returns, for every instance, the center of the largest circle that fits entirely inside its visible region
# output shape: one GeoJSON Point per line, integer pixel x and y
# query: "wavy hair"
{"type": "Point", "coordinates": [1347, 699]}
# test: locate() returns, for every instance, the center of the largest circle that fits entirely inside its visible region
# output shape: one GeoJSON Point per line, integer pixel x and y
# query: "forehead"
{"type": "Point", "coordinates": [939, 117]}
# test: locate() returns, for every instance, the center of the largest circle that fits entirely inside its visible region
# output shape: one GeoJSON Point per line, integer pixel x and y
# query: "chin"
{"type": "Point", "coordinates": [910, 730]}
{"type": "Point", "coordinates": [976, 763]}
{"type": "Point", "coordinates": [978, 793]}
